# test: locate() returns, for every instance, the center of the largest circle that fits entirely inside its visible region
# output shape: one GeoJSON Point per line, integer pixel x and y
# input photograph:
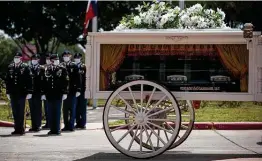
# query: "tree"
{"type": "Point", "coordinates": [7, 49]}
{"type": "Point", "coordinates": [45, 24]}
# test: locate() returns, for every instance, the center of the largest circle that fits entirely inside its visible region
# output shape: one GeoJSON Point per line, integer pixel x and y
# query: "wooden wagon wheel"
{"type": "Point", "coordinates": [143, 120]}
{"type": "Point", "coordinates": [187, 124]}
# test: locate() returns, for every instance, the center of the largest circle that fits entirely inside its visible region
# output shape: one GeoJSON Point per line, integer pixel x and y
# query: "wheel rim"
{"type": "Point", "coordinates": [143, 120]}
{"type": "Point", "coordinates": [187, 123]}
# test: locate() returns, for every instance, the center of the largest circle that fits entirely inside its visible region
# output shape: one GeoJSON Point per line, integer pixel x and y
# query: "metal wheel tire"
{"type": "Point", "coordinates": [187, 124]}
{"type": "Point", "coordinates": [142, 119]}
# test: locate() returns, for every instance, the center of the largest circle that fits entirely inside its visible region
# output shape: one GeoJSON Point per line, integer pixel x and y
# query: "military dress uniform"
{"type": "Point", "coordinates": [18, 85]}
{"type": "Point", "coordinates": [46, 126]}
{"type": "Point", "coordinates": [81, 100]}
{"type": "Point", "coordinates": [35, 104]}
{"type": "Point", "coordinates": [56, 85]}
{"type": "Point", "coordinates": [69, 105]}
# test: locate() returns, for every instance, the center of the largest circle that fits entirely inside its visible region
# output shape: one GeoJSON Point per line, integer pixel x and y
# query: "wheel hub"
{"type": "Point", "coordinates": [141, 118]}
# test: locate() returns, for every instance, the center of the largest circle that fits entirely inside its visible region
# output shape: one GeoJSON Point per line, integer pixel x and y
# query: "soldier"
{"type": "Point", "coordinates": [19, 87]}
{"type": "Point", "coordinates": [35, 104]}
{"type": "Point", "coordinates": [56, 90]}
{"type": "Point", "coordinates": [69, 105]}
{"type": "Point", "coordinates": [48, 62]}
{"type": "Point", "coordinates": [81, 100]}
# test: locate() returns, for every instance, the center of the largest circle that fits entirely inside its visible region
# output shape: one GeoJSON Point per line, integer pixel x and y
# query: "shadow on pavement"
{"type": "Point", "coordinates": [259, 143]}
{"type": "Point", "coordinates": [186, 156]}
{"type": "Point", "coordinates": [46, 135]}
{"type": "Point", "coordinates": [10, 135]}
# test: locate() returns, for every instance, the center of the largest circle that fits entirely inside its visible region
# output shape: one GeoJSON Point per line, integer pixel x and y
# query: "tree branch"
{"type": "Point", "coordinates": [53, 44]}
{"type": "Point", "coordinates": [57, 46]}
{"type": "Point", "coordinates": [17, 43]}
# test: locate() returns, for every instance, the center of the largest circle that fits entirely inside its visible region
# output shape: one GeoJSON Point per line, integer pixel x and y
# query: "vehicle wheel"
{"type": "Point", "coordinates": [143, 117]}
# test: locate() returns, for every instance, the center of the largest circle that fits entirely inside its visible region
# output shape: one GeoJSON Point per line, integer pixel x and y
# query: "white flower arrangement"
{"type": "Point", "coordinates": [161, 15]}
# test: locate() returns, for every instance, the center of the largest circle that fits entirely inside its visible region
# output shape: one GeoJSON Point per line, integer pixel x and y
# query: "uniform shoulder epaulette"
{"type": "Point", "coordinates": [82, 65]}
{"type": "Point", "coordinates": [42, 67]}
{"type": "Point", "coordinates": [61, 65]}
{"type": "Point", "coordinates": [11, 65]}
{"type": "Point", "coordinates": [72, 64]}
{"type": "Point", "coordinates": [24, 65]}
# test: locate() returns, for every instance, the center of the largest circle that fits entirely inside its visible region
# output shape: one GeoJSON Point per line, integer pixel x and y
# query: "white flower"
{"type": "Point", "coordinates": [176, 9]}
{"type": "Point", "coordinates": [121, 27]}
{"type": "Point", "coordinates": [164, 19]}
{"type": "Point", "coordinates": [221, 13]}
{"type": "Point", "coordinates": [139, 8]}
{"type": "Point", "coordinates": [137, 20]}
{"type": "Point", "coordinates": [162, 4]}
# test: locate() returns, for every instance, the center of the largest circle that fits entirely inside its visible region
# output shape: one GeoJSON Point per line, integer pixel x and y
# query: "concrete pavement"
{"type": "Point", "coordinates": [90, 145]}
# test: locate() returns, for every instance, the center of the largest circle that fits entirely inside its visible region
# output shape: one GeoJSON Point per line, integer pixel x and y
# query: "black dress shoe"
{"type": "Point", "coordinates": [65, 129]}
{"type": "Point", "coordinates": [45, 127]}
{"type": "Point", "coordinates": [14, 132]}
{"type": "Point", "coordinates": [18, 133]}
{"type": "Point", "coordinates": [34, 129]}
{"type": "Point", "coordinates": [71, 130]}
{"type": "Point", "coordinates": [54, 133]}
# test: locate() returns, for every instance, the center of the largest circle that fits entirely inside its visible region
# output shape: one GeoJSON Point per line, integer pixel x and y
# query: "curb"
{"type": "Point", "coordinates": [220, 125]}
{"type": "Point", "coordinates": [8, 124]}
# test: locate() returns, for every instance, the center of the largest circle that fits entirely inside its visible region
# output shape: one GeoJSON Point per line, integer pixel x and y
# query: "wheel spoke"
{"type": "Point", "coordinates": [156, 134]}
{"type": "Point", "coordinates": [166, 135]}
{"type": "Point", "coordinates": [126, 102]}
{"type": "Point", "coordinates": [170, 126]}
{"type": "Point", "coordinates": [148, 138]}
{"type": "Point", "coordinates": [141, 136]}
{"type": "Point", "coordinates": [159, 119]}
{"type": "Point", "coordinates": [133, 98]}
{"type": "Point", "coordinates": [141, 97]}
{"type": "Point", "coordinates": [120, 118]}
{"type": "Point", "coordinates": [159, 101]}
{"type": "Point", "coordinates": [120, 127]}
{"type": "Point", "coordinates": [122, 110]}
{"type": "Point", "coordinates": [133, 138]}
{"type": "Point", "coordinates": [126, 133]}
{"type": "Point", "coordinates": [149, 100]}
{"type": "Point", "coordinates": [159, 127]}
{"type": "Point", "coordinates": [184, 126]}
{"type": "Point", "coordinates": [158, 112]}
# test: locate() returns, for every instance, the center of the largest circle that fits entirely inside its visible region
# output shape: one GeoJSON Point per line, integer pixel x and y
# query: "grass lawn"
{"type": "Point", "coordinates": [6, 115]}
{"type": "Point", "coordinates": [247, 112]}
{"type": "Point", "coordinates": [210, 113]}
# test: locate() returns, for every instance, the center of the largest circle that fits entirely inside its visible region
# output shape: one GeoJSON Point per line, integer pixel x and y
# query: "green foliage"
{"type": "Point", "coordinates": [43, 22]}
{"type": "Point", "coordinates": [7, 50]}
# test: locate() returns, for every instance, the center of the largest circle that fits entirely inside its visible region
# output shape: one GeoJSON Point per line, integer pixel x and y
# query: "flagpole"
{"type": "Point", "coordinates": [94, 22]}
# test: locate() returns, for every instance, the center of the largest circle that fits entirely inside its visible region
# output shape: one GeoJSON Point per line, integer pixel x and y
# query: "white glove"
{"type": "Point", "coordinates": [8, 96]}
{"type": "Point", "coordinates": [78, 94]}
{"type": "Point", "coordinates": [29, 96]}
{"type": "Point", "coordinates": [64, 97]}
{"type": "Point", "coordinates": [43, 97]}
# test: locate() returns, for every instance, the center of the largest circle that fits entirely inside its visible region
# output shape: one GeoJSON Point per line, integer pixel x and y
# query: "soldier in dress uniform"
{"type": "Point", "coordinates": [48, 62]}
{"type": "Point", "coordinates": [81, 100]}
{"type": "Point", "coordinates": [35, 104]}
{"type": "Point", "coordinates": [69, 105]}
{"type": "Point", "coordinates": [19, 87]}
{"type": "Point", "coordinates": [56, 90]}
